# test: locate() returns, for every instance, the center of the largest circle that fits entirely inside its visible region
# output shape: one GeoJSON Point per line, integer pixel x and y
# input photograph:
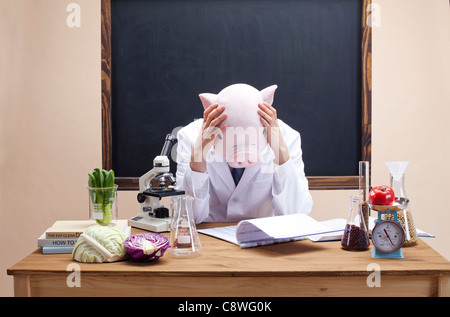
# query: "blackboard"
{"type": "Point", "coordinates": [158, 55]}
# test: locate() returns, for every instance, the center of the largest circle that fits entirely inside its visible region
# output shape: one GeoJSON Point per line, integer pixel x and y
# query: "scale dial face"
{"type": "Point", "coordinates": [388, 236]}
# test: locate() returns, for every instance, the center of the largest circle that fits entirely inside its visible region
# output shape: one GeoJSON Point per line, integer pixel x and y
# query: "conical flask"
{"type": "Point", "coordinates": [355, 236]}
{"type": "Point", "coordinates": [397, 173]}
{"type": "Point", "coordinates": [184, 239]}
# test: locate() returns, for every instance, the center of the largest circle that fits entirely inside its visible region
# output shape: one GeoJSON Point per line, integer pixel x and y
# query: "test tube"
{"type": "Point", "coordinates": [364, 188]}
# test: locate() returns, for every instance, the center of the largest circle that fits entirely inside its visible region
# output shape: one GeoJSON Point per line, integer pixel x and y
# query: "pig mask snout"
{"type": "Point", "coordinates": [243, 159]}
{"type": "Point", "coordinates": [244, 151]}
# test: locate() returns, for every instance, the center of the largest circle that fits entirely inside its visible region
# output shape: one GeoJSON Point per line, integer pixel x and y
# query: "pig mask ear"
{"type": "Point", "coordinates": [208, 99]}
{"type": "Point", "coordinates": [268, 93]}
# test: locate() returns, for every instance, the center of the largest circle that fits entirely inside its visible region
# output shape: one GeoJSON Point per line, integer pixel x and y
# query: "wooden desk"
{"type": "Point", "coordinates": [301, 268]}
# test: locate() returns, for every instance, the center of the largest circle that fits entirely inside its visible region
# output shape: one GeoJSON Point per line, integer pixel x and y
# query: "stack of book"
{"type": "Point", "coordinates": [63, 234]}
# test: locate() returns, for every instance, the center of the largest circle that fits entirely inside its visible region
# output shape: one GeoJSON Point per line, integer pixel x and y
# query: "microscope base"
{"type": "Point", "coordinates": [150, 223]}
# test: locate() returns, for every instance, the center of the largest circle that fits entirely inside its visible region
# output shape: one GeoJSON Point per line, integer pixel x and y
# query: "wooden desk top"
{"type": "Point", "coordinates": [221, 259]}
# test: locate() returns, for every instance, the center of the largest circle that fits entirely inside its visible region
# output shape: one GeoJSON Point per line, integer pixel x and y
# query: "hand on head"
{"type": "Point", "coordinates": [213, 117]}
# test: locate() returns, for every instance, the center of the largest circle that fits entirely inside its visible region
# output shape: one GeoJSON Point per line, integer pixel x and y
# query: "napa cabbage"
{"type": "Point", "coordinates": [99, 244]}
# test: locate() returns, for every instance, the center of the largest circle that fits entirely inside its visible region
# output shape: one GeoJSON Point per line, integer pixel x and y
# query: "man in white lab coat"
{"type": "Point", "coordinates": [276, 185]}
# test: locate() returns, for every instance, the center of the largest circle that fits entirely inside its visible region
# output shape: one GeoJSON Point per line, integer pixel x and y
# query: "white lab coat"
{"type": "Point", "coordinates": [264, 190]}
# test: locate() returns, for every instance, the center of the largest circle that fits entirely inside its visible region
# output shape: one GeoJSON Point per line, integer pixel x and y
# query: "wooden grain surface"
{"type": "Point", "coordinates": [301, 268]}
{"type": "Point", "coordinates": [158, 286]}
{"type": "Point", "coordinates": [366, 91]}
{"type": "Point", "coordinates": [219, 258]}
{"type": "Point", "coordinates": [106, 84]}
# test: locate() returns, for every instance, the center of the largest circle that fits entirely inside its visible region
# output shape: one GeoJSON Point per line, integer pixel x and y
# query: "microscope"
{"type": "Point", "coordinates": [154, 185]}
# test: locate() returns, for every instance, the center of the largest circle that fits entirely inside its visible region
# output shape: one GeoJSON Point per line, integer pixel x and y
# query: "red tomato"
{"type": "Point", "coordinates": [381, 196]}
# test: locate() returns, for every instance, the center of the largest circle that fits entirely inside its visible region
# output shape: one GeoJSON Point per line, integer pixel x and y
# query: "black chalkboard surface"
{"type": "Point", "coordinates": [165, 52]}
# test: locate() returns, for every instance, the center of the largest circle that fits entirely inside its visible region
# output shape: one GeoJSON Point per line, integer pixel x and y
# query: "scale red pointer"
{"type": "Point", "coordinates": [388, 236]}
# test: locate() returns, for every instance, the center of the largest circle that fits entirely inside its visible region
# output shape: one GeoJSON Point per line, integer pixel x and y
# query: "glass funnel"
{"type": "Point", "coordinates": [184, 239]}
{"type": "Point", "coordinates": [397, 183]}
{"type": "Point", "coordinates": [355, 236]}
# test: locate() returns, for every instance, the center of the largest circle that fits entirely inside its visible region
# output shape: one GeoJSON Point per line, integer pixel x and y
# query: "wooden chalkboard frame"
{"type": "Point", "coordinates": [315, 182]}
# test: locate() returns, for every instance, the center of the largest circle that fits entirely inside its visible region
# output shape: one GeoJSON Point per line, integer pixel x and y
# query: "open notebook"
{"type": "Point", "coordinates": [278, 229]}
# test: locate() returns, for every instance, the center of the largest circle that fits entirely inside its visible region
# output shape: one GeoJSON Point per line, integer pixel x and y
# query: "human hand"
{"type": "Point", "coordinates": [213, 117]}
{"type": "Point", "coordinates": [274, 137]}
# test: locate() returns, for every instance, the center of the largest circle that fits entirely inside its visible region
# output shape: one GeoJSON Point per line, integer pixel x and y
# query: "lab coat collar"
{"type": "Point", "coordinates": [222, 169]}
{"type": "Point", "coordinates": [246, 177]}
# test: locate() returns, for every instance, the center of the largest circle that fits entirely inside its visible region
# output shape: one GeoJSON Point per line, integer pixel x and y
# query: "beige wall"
{"type": "Point", "coordinates": [50, 120]}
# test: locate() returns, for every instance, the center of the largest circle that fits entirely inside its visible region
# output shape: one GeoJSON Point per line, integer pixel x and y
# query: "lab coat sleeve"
{"type": "Point", "coordinates": [193, 183]}
{"type": "Point", "coordinates": [290, 186]}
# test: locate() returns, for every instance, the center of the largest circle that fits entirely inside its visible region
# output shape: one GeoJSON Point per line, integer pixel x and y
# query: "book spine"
{"type": "Point", "coordinates": [56, 242]}
{"type": "Point", "coordinates": [62, 235]}
{"type": "Point", "coordinates": [57, 250]}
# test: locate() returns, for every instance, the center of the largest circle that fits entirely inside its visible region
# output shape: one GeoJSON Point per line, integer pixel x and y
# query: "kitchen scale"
{"type": "Point", "coordinates": [388, 236]}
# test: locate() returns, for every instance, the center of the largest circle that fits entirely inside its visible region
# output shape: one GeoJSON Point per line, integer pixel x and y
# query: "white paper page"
{"type": "Point", "coordinates": [423, 234]}
{"type": "Point", "coordinates": [280, 227]}
{"type": "Point", "coordinates": [332, 224]}
{"type": "Point", "coordinates": [227, 233]}
{"type": "Point", "coordinates": [248, 232]}
{"type": "Point", "coordinates": [335, 224]}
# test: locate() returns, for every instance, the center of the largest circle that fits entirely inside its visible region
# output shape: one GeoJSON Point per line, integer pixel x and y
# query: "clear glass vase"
{"type": "Point", "coordinates": [103, 205]}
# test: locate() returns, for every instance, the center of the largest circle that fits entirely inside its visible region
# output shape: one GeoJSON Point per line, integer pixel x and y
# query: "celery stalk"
{"type": "Point", "coordinates": [107, 215]}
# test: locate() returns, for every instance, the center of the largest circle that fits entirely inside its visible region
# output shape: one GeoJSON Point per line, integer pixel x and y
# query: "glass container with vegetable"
{"type": "Point", "coordinates": [102, 197]}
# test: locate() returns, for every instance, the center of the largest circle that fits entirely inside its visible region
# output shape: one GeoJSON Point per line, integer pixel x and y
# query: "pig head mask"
{"type": "Point", "coordinates": [245, 137]}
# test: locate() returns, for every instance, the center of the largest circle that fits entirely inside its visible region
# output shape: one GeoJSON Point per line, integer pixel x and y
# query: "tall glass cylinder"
{"type": "Point", "coordinates": [364, 189]}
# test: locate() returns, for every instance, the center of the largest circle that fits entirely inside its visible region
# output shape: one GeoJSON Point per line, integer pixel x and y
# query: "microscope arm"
{"type": "Point", "coordinates": [161, 164]}
{"type": "Point", "coordinates": [144, 180]}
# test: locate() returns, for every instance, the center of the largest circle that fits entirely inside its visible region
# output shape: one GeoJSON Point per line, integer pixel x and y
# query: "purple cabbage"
{"type": "Point", "coordinates": [146, 247]}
